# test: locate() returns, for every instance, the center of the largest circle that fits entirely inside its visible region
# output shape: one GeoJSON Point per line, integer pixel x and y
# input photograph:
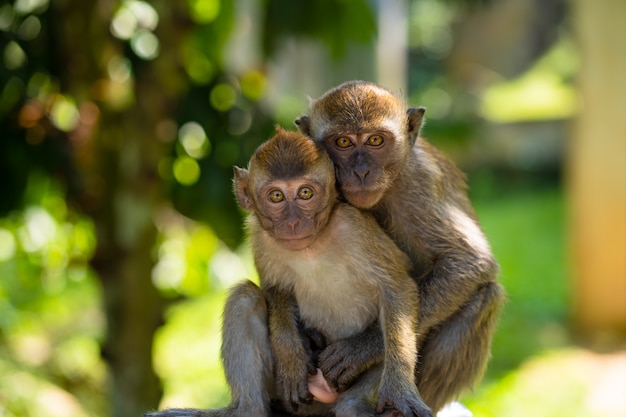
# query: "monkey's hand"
{"type": "Point", "coordinates": [403, 398]}
{"type": "Point", "coordinates": [322, 392]}
{"type": "Point", "coordinates": [343, 361]}
{"type": "Point", "coordinates": [292, 373]}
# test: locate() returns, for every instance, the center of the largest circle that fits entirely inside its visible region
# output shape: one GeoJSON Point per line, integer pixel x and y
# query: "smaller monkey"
{"type": "Point", "coordinates": [327, 272]}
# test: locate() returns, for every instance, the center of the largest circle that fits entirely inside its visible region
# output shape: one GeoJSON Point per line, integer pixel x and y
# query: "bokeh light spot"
{"type": "Point", "coordinates": [145, 44]}
{"type": "Point", "coordinates": [223, 97]}
{"type": "Point", "coordinates": [64, 114]}
{"type": "Point", "coordinates": [124, 24]}
{"type": "Point", "coordinates": [119, 69]}
{"type": "Point", "coordinates": [29, 29]}
{"type": "Point", "coordinates": [186, 170]}
{"type": "Point", "coordinates": [204, 11]}
{"type": "Point", "coordinates": [14, 56]}
{"type": "Point", "coordinates": [24, 7]}
{"type": "Point", "coordinates": [199, 68]}
{"type": "Point", "coordinates": [7, 15]}
{"type": "Point", "coordinates": [147, 16]}
{"type": "Point", "coordinates": [7, 245]}
{"type": "Point", "coordinates": [253, 84]}
{"type": "Point", "coordinates": [194, 140]}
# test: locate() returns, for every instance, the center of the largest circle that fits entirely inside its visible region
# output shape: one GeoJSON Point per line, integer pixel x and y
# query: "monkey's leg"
{"type": "Point", "coordinates": [246, 355]}
{"type": "Point", "coordinates": [360, 398]}
{"type": "Point", "coordinates": [454, 355]}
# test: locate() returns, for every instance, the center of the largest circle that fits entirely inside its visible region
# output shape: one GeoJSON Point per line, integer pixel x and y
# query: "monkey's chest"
{"type": "Point", "coordinates": [335, 298]}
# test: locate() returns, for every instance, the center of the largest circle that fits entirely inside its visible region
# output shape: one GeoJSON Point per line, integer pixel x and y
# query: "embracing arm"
{"type": "Point", "coordinates": [292, 361]}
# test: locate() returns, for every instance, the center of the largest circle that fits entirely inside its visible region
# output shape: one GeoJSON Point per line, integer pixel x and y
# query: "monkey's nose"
{"type": "Point", "coordinates": [361, 173]}
{"type": "Point", "coordinates": [293, 224]}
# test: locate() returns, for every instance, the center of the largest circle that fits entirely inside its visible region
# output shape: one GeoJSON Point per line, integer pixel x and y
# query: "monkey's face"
{"type": "Point", "coordinates": [366, 164]}
{"type": "Point", "coordinates": [290, 187]}
{"type": "Point", "coordinates": [368, 134]}
{"type": "Point", "coordinates": [293, 211]}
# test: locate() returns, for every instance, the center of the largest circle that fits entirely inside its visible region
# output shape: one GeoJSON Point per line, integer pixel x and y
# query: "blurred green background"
{"type": "Point", "coordinates": [120, 122]}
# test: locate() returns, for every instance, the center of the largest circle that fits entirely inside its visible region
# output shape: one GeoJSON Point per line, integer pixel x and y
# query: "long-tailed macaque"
{"type": "Point", "coordinates": [328, 272]}
{"type": "Point", "coordinates": [420, 199]}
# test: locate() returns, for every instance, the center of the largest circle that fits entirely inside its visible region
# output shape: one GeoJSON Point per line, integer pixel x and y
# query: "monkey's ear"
{"type": "Point", "coordinates": [415, 121]}
{"type": "Point", "coordinates": [241, 180]}
{"type": "Point", "coordinates": [304, 124]}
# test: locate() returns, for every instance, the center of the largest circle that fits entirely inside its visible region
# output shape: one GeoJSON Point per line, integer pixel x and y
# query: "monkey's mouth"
{"type": "Point", "coordinates": [362, 197]}
{"type": "Point", "coordinates": [296, 243]}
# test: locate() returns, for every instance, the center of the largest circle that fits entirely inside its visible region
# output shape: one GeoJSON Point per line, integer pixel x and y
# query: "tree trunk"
{"type": "Point", "coordinates": [597, 173]}
{"type": "Point", "coordinates": [117, 181]}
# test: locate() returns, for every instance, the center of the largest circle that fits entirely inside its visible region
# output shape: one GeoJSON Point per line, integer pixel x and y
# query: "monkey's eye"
{"type": "Point", "coordinates": [305, 193]}
{"type": "Point", "coordinates": [375, 140]}
{"type": "Point", "coordinates": [343, 142]}
{"type": "Point", "coordinates": [276, 196]}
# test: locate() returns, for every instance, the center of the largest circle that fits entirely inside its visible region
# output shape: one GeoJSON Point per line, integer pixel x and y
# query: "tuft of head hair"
{"type": "Point", "coordinates": [289, 155]}
{"type": "Point", "coordinates": [357, 106]}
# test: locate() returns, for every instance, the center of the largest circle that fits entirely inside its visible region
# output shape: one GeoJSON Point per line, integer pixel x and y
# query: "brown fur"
{"type": "Point", "coordinates": [419, 197]}
{"type": "Point", "coordinates": [348, 280]}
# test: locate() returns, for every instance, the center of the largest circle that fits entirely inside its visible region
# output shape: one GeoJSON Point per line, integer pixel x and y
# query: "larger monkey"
{"type": "Point", "coordinates": [419, 197]}
{"type": "Point", "coordinates": [325, 266]}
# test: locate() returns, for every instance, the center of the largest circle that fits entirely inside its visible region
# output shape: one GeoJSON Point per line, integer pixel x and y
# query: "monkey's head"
{"type": "Point", "coordinates": [368, 133]}
{"type": "Point", "coordinates": [290, 187]}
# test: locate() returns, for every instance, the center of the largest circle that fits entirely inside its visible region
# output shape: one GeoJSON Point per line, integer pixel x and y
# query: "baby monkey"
{"type": "Point", "coordinates": [326, 269]}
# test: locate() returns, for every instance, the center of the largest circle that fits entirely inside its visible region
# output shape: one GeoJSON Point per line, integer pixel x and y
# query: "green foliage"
{"type": "Point", "coordinates": [337, 23]}
{"type": "Point", "coordinates": [187, 354]}
{"type": "Point", "coordinates": [47, 351]}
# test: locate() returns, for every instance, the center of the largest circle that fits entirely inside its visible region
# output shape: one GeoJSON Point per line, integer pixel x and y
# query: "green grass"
{"type": "Point", "coordinates": [527, 233]}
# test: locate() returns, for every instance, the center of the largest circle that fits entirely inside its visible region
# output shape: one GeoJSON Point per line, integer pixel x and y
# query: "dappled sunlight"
{"type": "Point", "coordinates": [570, 382]}
{"type": "Point", "coordinates": [187, 354]}
{"type": "Point", "coordinates": [28, 394]}
{"type": "Point", "coordinates": [543, 92]}
{"type": "Point", "coordinates": [135, 21]}
{"type": "Point", "coordinates": [44, 250]}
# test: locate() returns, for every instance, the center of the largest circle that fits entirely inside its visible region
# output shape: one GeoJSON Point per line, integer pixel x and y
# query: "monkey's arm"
{"type": "Point", "coordinates": [343, 361]}
{"type": "Point", "coordinates": [292, 361]}
{"type": "Point", "coordinates": [461, 266]}
{"type": "Point", "coordinates": [399, 306]}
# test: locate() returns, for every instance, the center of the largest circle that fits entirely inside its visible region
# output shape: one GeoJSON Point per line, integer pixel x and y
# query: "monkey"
{"type": "Point", "coordinates": [327, 272]}
{"type": "Point", "coordinates": [419, 197]}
